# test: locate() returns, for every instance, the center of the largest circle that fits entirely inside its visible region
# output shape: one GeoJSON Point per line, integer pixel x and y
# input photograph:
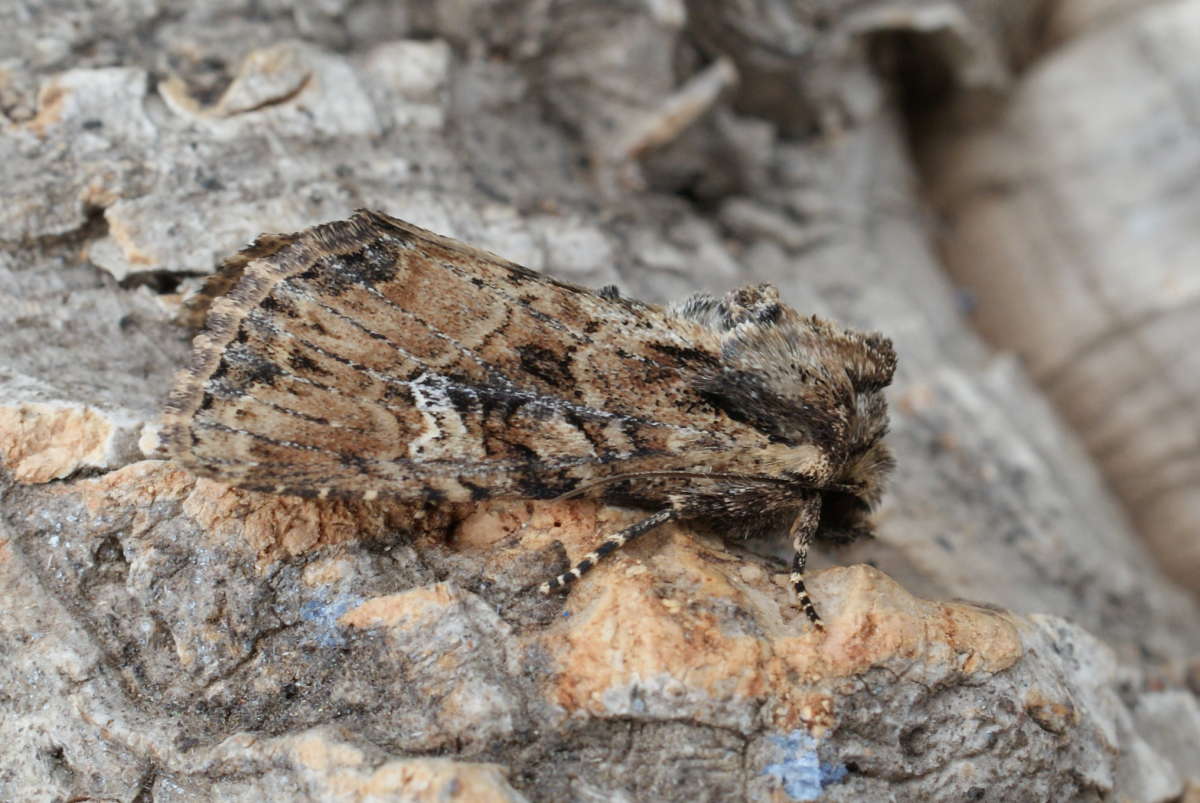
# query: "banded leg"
{"type": "Point", "coordinates": [802, 530]}
{"type": "Point", "coordinates": [611, 544]}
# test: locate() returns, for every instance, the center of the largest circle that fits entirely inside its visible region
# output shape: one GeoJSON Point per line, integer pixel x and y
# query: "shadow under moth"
{"type": "Point", "coordinates": [368, 358]}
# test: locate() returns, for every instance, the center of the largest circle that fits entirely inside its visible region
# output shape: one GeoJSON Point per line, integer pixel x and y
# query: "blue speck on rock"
{"type": "Point", "coordinates": [324, 617]}
{"type": "Point", "coordinates": [800, 770]}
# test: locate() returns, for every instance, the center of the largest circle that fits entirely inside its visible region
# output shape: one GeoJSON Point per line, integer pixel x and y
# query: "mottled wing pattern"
{"type": "Point", "coordinates": [371, 357]}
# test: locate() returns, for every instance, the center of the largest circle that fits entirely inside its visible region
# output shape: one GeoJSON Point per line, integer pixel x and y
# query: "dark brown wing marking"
{"type": "Point", "coordinates": [371, 357]}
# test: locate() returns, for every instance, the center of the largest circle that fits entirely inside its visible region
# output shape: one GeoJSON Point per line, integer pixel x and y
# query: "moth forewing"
{"type": "Point", "coordinates": [369, 357]}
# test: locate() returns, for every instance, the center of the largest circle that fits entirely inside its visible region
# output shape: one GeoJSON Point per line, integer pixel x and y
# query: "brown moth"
{"type": "Point", "coordinates": [369, 357]}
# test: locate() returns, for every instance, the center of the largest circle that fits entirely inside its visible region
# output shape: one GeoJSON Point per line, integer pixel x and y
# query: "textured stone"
{"type": "Point", "coordinates": [80, 151]}
{"type": "Point", "coordinates": [272, 526]}
{"type": "Point", "coordinates": [291, 89]}
{"type": "Point", "coordinates": [1170, 723]}
{"type": "Point", "coordinates": [41, 443]}
{"type": "Point", "coordinates": [620, 647]}
{"type": "Point", "coordinates": [418, 780]}
{"type": "Point", "coordinates": [419, 72]}
{"type": "Point", "coordinates": [318, 764]}
{"type": "Point", "coordinates": [453, 639]}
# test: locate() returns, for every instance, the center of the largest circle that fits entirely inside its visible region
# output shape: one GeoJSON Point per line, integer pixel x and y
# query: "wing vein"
{"type": "Point", "coordinates": [512, 390]}
{"type": "Point", "coordinates": [579, 337]}
{"type": "Point", "coordinates": [462, 467]}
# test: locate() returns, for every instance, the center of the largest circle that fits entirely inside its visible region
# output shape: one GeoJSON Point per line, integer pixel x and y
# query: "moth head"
{"type": "Point", "coordinates": [798, 379]}
{"type": "Point", "coordinates": [869, 362]}
{"type": "Point", "coordinates": [802, 380]}
{"type": "Point", "coordinates": [846, 506]}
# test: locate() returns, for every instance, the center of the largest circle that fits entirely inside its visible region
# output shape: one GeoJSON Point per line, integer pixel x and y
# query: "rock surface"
{"type": "Point", "coordinates": [169, 638]}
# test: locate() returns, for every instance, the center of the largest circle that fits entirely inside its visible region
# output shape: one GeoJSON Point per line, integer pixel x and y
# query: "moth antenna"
{"type": "Point", "coordinates": [802, 592]}
{"type": "Point", "coordinates": [802, 530]}
{"type": "Point", "coordinates": [697, 475]}
{"type": "Point", "coordinates": [610, 545]}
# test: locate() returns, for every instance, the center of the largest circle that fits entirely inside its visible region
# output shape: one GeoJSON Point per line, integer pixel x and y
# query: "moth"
{"type": "Point", "coordinates": [370, 358]}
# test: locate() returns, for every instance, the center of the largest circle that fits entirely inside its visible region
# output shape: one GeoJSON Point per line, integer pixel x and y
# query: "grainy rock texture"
{"type": "Point", "coordinates": [169, 638]}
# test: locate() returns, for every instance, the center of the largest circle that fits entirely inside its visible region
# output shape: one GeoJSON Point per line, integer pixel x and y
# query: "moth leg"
{"type": "Point", "coordinates": [611, 544]}
{"type": "Point", "coordinates": [804, 526]}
